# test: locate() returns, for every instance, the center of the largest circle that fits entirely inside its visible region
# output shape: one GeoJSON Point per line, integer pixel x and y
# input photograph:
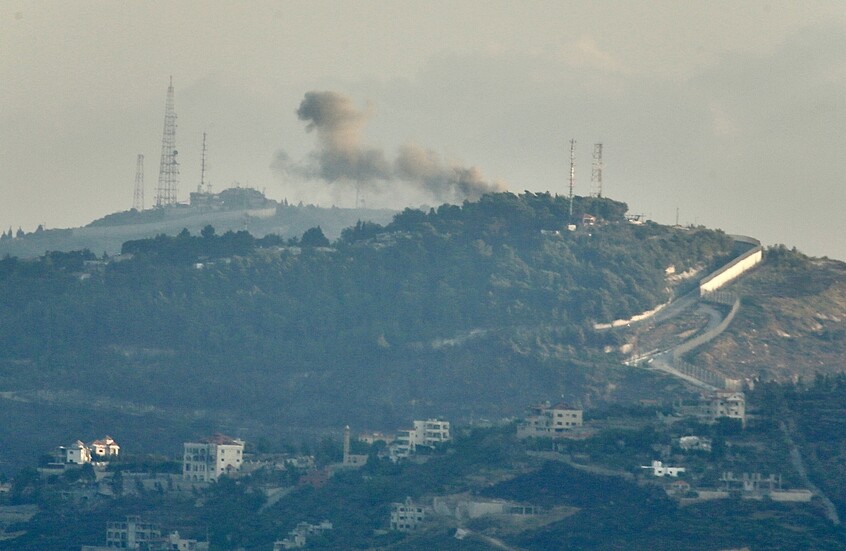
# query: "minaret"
{"type": "Point", "coordinates": [169, 165]}
{"type": "Point", "coordinates": [347, 445]}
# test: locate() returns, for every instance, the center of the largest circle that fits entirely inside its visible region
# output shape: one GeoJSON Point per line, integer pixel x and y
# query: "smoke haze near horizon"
{"type": "Point", "coordinates": [732, 113]}
{"type": "Point", "coordinates": [340, 157]}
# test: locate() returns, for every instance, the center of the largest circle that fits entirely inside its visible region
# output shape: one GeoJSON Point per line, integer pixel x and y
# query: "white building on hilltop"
{"type": "Point", "coordinates": [208, 459]}
{"type": "Point", "coordinates": [546, 421]}
{"type": "Point", "coordinates": [428, 433]}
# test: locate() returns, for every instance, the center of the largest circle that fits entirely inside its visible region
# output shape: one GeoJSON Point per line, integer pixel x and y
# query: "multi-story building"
{"type": "Point", "coordinates": [406, 516]}
{"type": "Point", "coordinates": [209, 458]}
{"type": "Point", "coordinates": [134, 534]}
{"type": "Point", "coordinates": [546, 421]}
{"type": "Point", "coordinates": [77, 453]}
{"type": "Point", "coordinates": [720, 404]}
{"type": "Point", "coordinates": [429, 433]}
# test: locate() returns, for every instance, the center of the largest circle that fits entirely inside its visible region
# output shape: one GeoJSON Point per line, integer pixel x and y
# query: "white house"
{"type": "Point", "coordinates": [208, 459]}
{"type": "Point", "coordinates": [429, 433]}
{"type": "Point", "coordinates": [77, 453]}
{"type": "Point", "coordinates": [544, 420]}
{"type": "Point", "coordinates": [104, 448]}
{"type": "Point", "coordinates": [659, 469]}
{"type": "Point", "coordinates": [406, 516]}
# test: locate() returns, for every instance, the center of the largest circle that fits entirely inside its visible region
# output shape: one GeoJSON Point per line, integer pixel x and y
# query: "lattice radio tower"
{"type": "Point", "coordinates": [572, 173]}
{"type": "Point", "coordinates": [203, 186]}
{"type": "Point", "coordinates": [138, 196]}
{"type": "Point", "coordinates": [596, 173]}
{"type": "Point", "coordinates": [169, 166]}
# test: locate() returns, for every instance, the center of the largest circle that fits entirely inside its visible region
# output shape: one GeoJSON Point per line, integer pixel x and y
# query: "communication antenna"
{"type": "Point", "coordinates": [203, 185]}
{"type": "Point", "coordinates": [572, 173]}
{"type": "Point", "coordinates": [596, 173]}
{"type": "Point", "coordinates": [138, 195]}
{"type": "Point", "coordinates": [169, 165]}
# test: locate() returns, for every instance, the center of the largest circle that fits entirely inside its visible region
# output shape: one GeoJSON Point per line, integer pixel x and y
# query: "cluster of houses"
{"type": "Point", "coordinates": [206, 460]}
{"type": "Point", "coordinates": [80, 453]}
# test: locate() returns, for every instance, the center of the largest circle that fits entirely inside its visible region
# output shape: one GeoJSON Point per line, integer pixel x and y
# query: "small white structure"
{"type": "Point", "coordinates": [406, 516]}
{"type": "Point", "coordinates": [428, 433]}
{"type": "Point", "coordinates": [208, 459]}
{"type": "Point", "coordinates": [544, 420]}
{"type": "Point", "coordinates": [659, 469]}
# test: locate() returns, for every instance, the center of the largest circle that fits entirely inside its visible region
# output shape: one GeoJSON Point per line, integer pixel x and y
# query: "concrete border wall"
{"type": "Point", "coordinates": [736, 267]}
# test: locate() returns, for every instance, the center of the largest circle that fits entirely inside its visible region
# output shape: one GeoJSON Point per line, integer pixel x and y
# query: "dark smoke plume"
{"type": "Point", "coordinates": [338, 125]}
{"type": "Point", "coordinates": [340, 156]}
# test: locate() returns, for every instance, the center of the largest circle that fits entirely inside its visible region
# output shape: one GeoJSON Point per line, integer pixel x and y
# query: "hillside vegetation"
{"type": "Point", "coordinates": [463, 311]}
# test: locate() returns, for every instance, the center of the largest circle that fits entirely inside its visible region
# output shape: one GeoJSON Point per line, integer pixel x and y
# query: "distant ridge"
{"type": "Point", "coordinates": [232, 209]}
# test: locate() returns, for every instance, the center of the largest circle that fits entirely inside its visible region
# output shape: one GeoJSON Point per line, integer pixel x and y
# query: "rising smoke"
{"type": "Point", "coordinates": [340, 158]}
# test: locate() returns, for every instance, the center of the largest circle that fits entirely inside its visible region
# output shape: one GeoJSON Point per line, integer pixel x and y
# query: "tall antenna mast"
{"type": "Point", "coordinates": [138, 195]}
{"type": "Point", "coordinates": [169, 166]}
{"type": "Point", "coordinates": [202, 186]}
{"type": "Point", "coordinates": [596, 173]}
{"type": "Point", "coordinates": [572, 173]}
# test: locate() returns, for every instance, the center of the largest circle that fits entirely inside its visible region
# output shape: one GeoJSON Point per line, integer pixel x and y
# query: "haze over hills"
{"type": "Point", "coordinates": [464, 311]}
{"type": "Point", "coordinates": [468, 312]}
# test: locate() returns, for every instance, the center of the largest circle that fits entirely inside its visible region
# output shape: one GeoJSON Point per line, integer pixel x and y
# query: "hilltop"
{"type": "Point", "coordinates": [233, 209]}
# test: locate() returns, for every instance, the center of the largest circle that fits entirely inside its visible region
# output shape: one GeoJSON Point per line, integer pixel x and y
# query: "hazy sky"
{"type": "Point", "coordinates": [732, 112]}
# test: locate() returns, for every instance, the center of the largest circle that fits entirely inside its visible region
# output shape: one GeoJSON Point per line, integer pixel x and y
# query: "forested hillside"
{"type": "Point", "coordinates": [464, 311]}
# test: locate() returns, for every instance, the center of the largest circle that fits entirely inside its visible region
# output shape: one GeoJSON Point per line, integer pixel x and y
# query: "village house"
{"type": "Point", "coordinates": [104, 448]}
{"type": "Point", "coordinates": [208, 459]}
{"type": "Point", "coordinates": [406, 516]}
{"type": "Point", "coordinates": [132, 533]}
{"type": "Point", "coordinates": [659, 469]}
{"type": "Point", "coordinates": [718, 405]}
{"type": "Point", "coordinates": [428, 433]}
{"type": "Point", "coordinates": [546, 421]}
